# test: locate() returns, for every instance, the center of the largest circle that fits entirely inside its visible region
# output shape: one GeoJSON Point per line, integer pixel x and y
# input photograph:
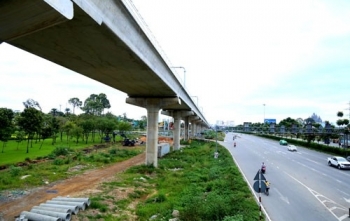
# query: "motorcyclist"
{"type": "Point", "coordinates": [267, 183]}
{"type": "Point", "coordinates": [263, 167]}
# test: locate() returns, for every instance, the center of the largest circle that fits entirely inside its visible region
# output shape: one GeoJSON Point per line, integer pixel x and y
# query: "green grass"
{"type": "Point", "coordinates": [58, 165]}
{"type": "Point", "coordinates": [192, 181]}
{"type": "Point", "coordinates": [13, 154]}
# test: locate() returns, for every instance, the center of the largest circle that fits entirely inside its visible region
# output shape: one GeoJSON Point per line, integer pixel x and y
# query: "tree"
{"type": "Point", "coordinates": [50, 124]}
{"type": "Point", "coordinates": [53, 112]}
{"type": "Point", "coordinates": [20, 136]}
{"type": "Point", "coordinates": [67, 110]}
{"type": "Point", "coordinates": [76, 132]}
{"type": "Point", "coordinates": [30, 122]}
{"type": "Point", "coordinates": [45, 133]}
{"type": "Point", "coordinates": [61, 126]}
{"type": "Point", "coordinates": [31, 103]}
{"type": "Point", "coordinates": [69, 125]}
{"type": "Point", "coordinates": [75, 102]}
{"type": "Point", "coordinates": [6, 125]}
{"type": "Point", "coordinates": [95, 104]}
{"type": "Point", "coordinates": [106, 126]}
{"type": "Point", "coordinates": [124, 126]}
{"type": "Point", "coordinates": [341, 122]}
{"type": "Point", "coordinates": [88, 125]}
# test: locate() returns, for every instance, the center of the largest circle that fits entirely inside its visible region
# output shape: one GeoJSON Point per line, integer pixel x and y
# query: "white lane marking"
{"type": "Point", "coordinates": [347, 200]}
{"type": "Point", "coordinates": [284, 198]}
{"type": "Point", "coordinates": [343, 217]}
{"type": "Point", "coordinates": [343, 192]}
{"type": "Point", "coordinates": [313, 161]}
{"type": "Point", "coordinates": [325, 201]}
{"type": "Point", "coordinates": [250, 186]}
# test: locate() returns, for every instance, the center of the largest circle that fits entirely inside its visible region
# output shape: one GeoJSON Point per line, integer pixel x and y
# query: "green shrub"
{"type": "Point", "coordinates": [58, 162]}
{"type": "Point", "coordinates": [97, 205]}
{"type": "Point", "coordinates": [61, 151]}
{"type": "Point", "coordinates": [15, 171]}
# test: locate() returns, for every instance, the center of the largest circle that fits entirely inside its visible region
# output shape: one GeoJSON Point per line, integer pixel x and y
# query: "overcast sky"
{"type": "Point", "coordinates": [292, 56]}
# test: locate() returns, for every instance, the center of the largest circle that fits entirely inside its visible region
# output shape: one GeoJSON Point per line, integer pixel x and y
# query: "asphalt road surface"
{"type": "Point", "coordinates": [303, 186]}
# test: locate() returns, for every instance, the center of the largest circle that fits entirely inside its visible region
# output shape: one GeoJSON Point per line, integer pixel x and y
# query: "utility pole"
{"type": "Point", "coordinates": [264, 114]}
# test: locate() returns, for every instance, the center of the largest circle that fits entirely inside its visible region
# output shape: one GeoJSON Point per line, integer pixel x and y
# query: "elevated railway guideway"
{"type": "Point", "coordinates": [102, 40]}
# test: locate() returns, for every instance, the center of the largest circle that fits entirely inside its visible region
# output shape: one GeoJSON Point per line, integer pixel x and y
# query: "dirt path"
{"type": "Point", "coordinates": [74, 186]}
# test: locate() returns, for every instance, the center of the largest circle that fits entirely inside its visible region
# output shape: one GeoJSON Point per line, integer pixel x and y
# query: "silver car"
{"type": "Point", "coordinates": [292, 148]}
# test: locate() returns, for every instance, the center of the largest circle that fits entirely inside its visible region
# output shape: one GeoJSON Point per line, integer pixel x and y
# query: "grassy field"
{"type": "Point", "coordinates": [190, 181]}
{"type": "Point", "coordinates": [15, 152]}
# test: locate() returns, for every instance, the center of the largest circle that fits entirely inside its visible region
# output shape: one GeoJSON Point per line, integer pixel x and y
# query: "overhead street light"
{"type": "Point", "coordinates": [184, 74]}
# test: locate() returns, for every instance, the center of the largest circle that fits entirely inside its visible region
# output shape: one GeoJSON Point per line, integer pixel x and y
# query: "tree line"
{"type": "Point", "coordinates": [32, 124]}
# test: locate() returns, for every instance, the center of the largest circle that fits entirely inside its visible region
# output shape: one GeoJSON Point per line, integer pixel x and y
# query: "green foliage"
{"type": "Point", "coordinates": [311, 145]}
{"type": "Point", "coordinates": [61, 151]}
{"type": "Point", "coordinates": [201, 188]}
{"type": "Point", "coordinates": [15, 171]}
{"type": "Point", "coordinates": [98, 205]}
{"type": "Point", "coordinates": [142, 169]}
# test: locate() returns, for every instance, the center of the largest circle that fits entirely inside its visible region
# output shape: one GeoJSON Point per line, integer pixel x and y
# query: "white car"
{"type": "Point", "coordinates": [292, 148]}
{"type": "Point", "coordinates": [339, 162]}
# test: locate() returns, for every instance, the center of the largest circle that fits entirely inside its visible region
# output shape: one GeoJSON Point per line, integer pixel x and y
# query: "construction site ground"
{"type": "Point", "coordinates": [77, 186]}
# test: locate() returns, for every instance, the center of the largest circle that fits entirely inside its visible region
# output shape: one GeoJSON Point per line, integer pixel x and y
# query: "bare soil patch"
{"type": "Point", "coordinates": [77, 186]}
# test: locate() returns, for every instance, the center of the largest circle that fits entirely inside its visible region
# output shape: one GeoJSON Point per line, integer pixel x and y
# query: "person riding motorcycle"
{"type": "Point", "coordinates": [263, 167]}
{"type": "Point", "coordinates": [267, 183]}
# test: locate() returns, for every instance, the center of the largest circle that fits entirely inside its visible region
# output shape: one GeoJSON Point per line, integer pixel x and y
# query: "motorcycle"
{"type": "Point", "coordinates": [128, 142]}
{"type": "Point", "coordinates": [234, 144]}
{"type": "Point", "coordinates": [267, 188]}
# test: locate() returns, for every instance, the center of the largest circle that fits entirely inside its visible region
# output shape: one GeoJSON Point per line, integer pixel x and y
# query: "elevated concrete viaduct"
{"type": "Point", "coordinates": [102, 40]}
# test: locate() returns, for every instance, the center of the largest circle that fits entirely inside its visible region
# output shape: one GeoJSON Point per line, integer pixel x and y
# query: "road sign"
{"type": "Point", "coordinates": [257, 176]}
{"type": "Point", "coordinates": [259, 183]}
{"type": "Point", "coordinates": [256, 186]}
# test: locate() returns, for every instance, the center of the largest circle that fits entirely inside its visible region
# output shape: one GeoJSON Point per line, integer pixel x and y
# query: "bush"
{"type": "Point", "coordinates": [61, 151]}
{"type": "Point", "coordinates": [15, 171]}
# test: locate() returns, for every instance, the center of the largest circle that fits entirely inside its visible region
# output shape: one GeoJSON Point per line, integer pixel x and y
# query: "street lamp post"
{"type": "Point", "coordinates": [264, 114]}
{"type": "Point", "coordinates": [184, 74]}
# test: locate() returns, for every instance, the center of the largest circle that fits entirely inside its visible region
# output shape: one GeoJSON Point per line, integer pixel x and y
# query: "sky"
{"type": "Point", "coordinates": [244, 61]}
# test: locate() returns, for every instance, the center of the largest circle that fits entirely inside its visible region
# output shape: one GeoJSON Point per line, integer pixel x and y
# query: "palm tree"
{"type": "Point", "coordinates": [67, 110]}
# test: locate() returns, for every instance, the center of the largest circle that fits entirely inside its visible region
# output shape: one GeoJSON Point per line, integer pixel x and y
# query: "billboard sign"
{"type": "Point", "coordinates": [270, 121]}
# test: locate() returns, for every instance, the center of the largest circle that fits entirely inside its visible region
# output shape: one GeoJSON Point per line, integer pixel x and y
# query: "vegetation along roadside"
{"type": "Point", "coordinates": [189, 181]}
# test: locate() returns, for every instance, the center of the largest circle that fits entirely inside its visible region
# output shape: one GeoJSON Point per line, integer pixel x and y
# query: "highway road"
{"type": "Point", "coordinates": [303, 186]}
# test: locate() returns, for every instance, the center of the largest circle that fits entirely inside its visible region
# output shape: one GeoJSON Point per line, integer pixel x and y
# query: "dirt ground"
{"type": "Point", "coordinates": [74, 187]}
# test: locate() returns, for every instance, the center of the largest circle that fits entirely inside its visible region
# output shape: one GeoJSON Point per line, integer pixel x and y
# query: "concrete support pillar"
{"type": "Point", "coordinates": [193, 125]}
{"type": "Point", "coordinates": [180, 115]}
{"type": "Point", "coordinates": [152, 135]}
{"type": "Point", "coordinates": [186, 128]}
{"type": "Point", "coordinates": [198, 126]}
{"type": "Point", "coordinates": [194, 129]}
{"type": "Point", "coordinates": [177, 129]}
{"type": "Point", "coordinates": [153, 106]}
{"type": "Point", "coordinates": [200, 129]}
